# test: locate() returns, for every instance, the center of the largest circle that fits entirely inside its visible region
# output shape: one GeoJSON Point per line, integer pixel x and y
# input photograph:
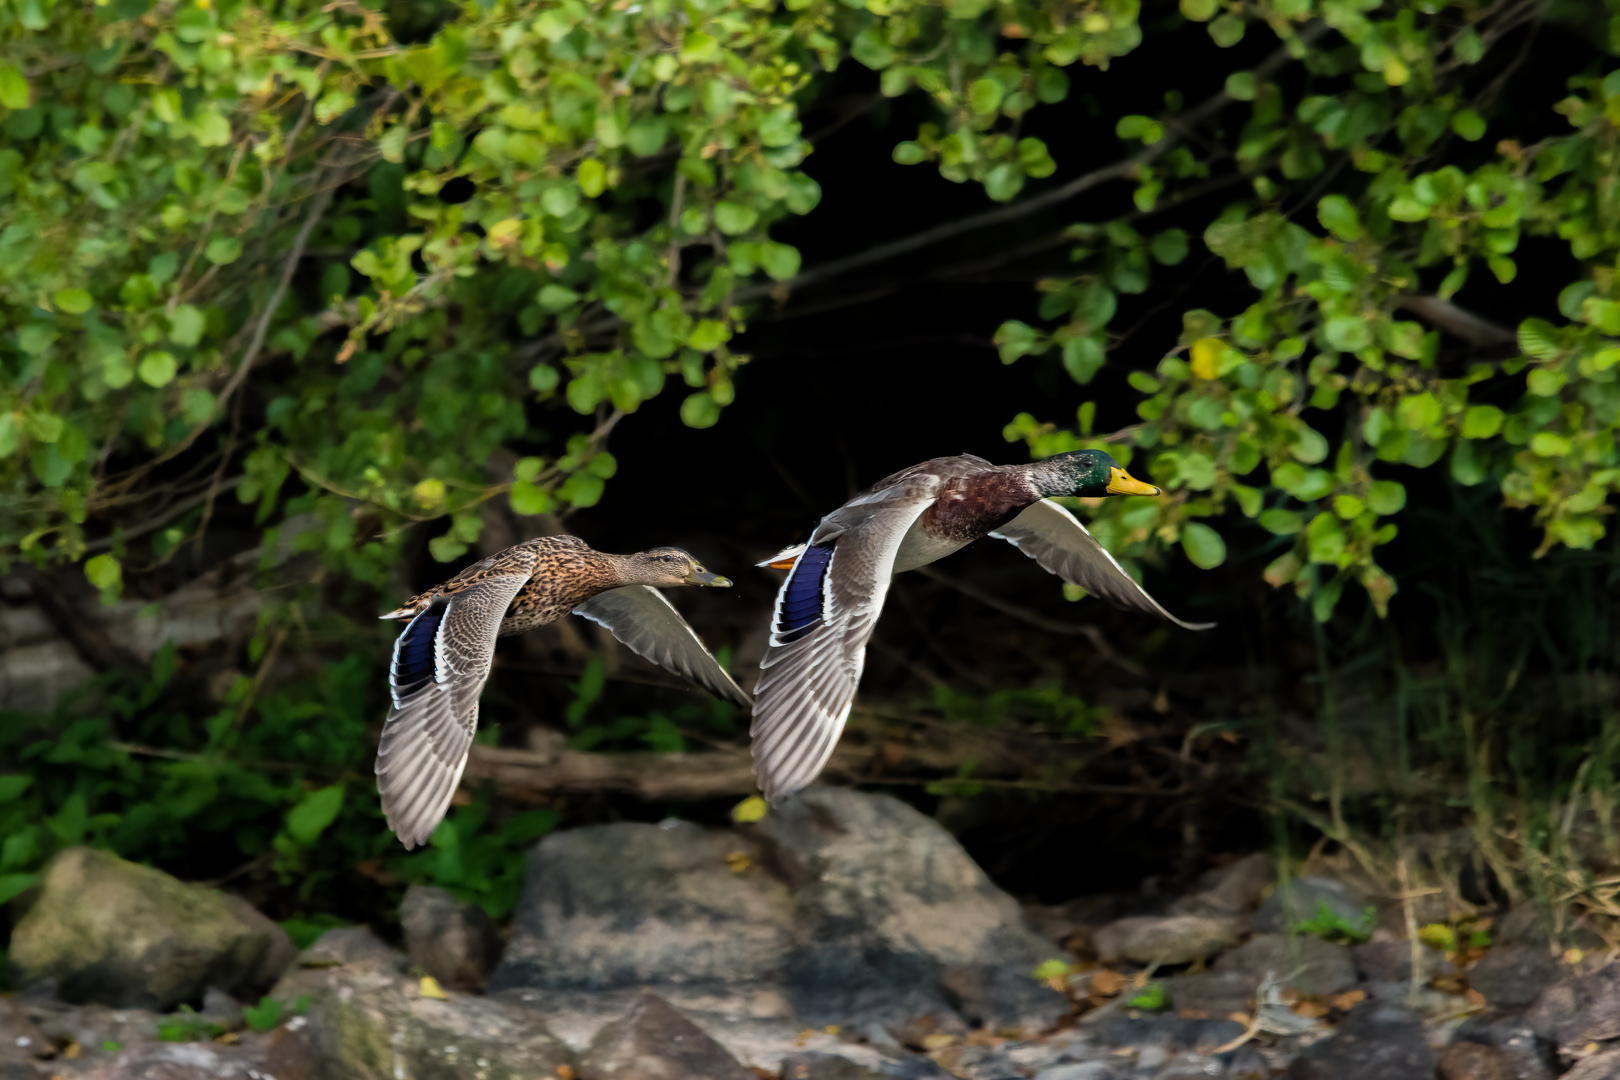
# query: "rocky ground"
{"type": "Point", "coordinates": [845, 937]}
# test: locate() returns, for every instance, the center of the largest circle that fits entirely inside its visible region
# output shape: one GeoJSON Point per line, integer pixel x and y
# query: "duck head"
{"type": "Point", "coordinates": [1087, 474]}
{"type": "Point", "coordinates": [665, 567]}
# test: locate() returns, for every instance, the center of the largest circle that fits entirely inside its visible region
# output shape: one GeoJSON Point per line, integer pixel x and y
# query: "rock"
{"type": "Point", "coordinates": [819, 1066]}
{"type": "Point", "coordinates": [653, 1041]}
{"type": "Point", "coordinates": [1167, 1031]}
{"type": "Point", "coordinates": [1163, 939]}
{"type": "Point", "coordinates": [1391, 962]}
{"type": "Point", "coordinates": [1302, 898]}
{"type": "Point", "coordinates": [278, 958]}
{"type": "Point", "coordinates": [365, 1022]}
{"type": "Point", "coordinates": [1471, 1061]}
{"type": "Point", "coordinates": [1081, 1070]}
{"type": "Point", "coordinates": [1073, 922]}
{"type": "Point", "coordinates": [1248, 1063]}
{"type": "Point", "coordinates": [1524, 1055]}
{"type": "Point", "coordinates": [1310, 964]}
{"type": "Point", "coordinates": [352, 946]}
{"type": "Point", "coordinates": [1234, 889]}
{"type": "Point", "coordinates": [1604, 1065]}
{"type": "Point", "coordinates": [255, 1057]}
{"type": "Point", "coordinates": [454, 942]}
{"type": "Point", "coordinates": [1376, 1041]}
{"type": "Point", "coordinates": [1216, 994]}
{"type": "Point", "coordinates": [113, 932]}
{"type": "Point", "coordinates": [885, 900]}
{"type": "Point", "coordinates": [848, 907]}
{"type": "Point", "coordinates": [630, 905]}
{"type": "Point", "coordinates": [1514, 976]}
{"type": "Point", "coordinates": [1579, 1011]}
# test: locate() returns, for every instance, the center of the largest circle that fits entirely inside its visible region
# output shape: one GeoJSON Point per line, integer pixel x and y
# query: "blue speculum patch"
{"type": "Point", "coordinates": [413, 656]}
{"type": "Point", "coordinates": [801, 605]}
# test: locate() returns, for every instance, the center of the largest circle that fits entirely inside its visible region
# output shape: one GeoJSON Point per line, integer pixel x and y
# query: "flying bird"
{"type": "Point", "coordinates": [836, 582]}
{"type": "Point", "coordinates": [443, 656]}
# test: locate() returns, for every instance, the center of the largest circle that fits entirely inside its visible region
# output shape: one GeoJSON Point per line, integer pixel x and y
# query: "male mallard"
{"type": "Point", "coordinates": [443, 657]}
{"type": "Point", "coordinates": [836, 582]}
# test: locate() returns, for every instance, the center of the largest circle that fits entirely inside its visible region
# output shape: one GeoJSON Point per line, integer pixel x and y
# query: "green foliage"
{"type": "Point", "coordinates": [1329, 925]}
{"type": "Point", "coordinates": [184, 1025]}
{"type": "Point", "coordinates": [1043, 707]}
{"type": "Point", "coordinates": [1152, 998]}
{"type": "Point", "coordinates": [269, 1012]}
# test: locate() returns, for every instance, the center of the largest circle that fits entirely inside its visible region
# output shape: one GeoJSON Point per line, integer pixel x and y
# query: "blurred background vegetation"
{"type": "Point", "coordinates": [308, 304]}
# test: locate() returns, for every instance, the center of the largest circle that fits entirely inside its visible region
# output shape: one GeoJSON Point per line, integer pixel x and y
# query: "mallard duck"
{"type": "Point", "coordinates": [443, 656]}
{"type": "Point", "coordinates": [836, 582]}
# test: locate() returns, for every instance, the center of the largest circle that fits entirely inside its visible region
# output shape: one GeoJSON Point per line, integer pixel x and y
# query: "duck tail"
{"type": "Point", "coordinates": [784, 559]}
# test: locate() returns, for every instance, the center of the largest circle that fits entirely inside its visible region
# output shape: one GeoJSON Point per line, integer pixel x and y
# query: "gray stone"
{"type": "Point", "coordinates": [1303, 898]}
{"type": "Point", "coordinates": [653, 1041]}
{"type": "Point", "coordinates": [1604, 1065]}
{"type": "Point", "coordinates": [279, 957]}
{"type": "Point", "coordinates": [1524, 1055]}
{"type": "Point", "coordinates": [819, 1066]}
{"type": "Point", "coordinates": [1309, 964]}
{"type": "Point", "coordinates": [1081, 1070]}
{"type": "Point", "coordinates": [1217, 994]}
{"type": "Point", "coordinates": [365, 1022]}
{"type": "Point", "coordinates": [1234, 889]}
{"type": "Point", "coordinates": [454, 942]}
{"type": "Point", "coordinates": [1248, 1063]}
{"type": "Point", "coordinates": [1514, 976]}
{"type": "Point", "coordinates": [1391, 962]}
{"type": "Point", "coordinates": [1167, 1031]}
{"type": "Point", "coordinates": [1578, 1011]}
{"type": "Point", "coordinates": [117, 933]}
{"type": "Point", "coordinates": [630, 905]}
{"type": "Point", "coordinates": [1471, 1061]}
{"type": "Point", "coordinates": [1376, 1041]}
{"type": "Point", "coordinates": [352, 946]}
{"type": "Point", "coordinates": [1163, 939]}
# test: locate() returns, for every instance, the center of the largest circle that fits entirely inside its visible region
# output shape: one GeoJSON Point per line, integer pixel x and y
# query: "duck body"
{"type": "Point", "coordinates": [444, 655]}
{"type": "Point", "coordinates": [838, 579]}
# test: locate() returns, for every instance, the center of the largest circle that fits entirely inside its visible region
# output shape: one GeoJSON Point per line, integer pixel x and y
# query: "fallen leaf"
{"type": "Point", "coordinates": [1106, 983]}
{"type": "Point", "coordinates": [1193, 1014]}
{"type": "Point", "coordinates": [73, 1049]}
{"type": "Point", "coordinates": [749, 810]}
{"type": "Point", "coordinates": [803, 1037]}
{"type": "Point", "coordinates": [431, 989]}
{"type": "Point", "coordinates": [1312, 1010]}
{"type": "Point", "coordinates": [738, 861]}
{"type": "Point", "coordinates": [1348, 1000]}
{"type": "Point", "coordinates": [938, 1041]}
{"type": "Point", "coordinates": [565, 1072]}
{"type": "Point", "coordinates": [1241, 1017]}
{"type": "Point", "coordinates": [1474, 997]}
{"type": "Point", "coordinates": [1574, 956]}
{"type": "Point", "coordinates": [831, 1029]}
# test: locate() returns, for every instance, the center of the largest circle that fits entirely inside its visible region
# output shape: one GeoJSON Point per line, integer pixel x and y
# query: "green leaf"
{"type": "Point", "coordinates": [909, 153]}
{"type": "Point", "coordinates": [1227, 30]}
{"type": "Point", "coordinates": [1482, 422]}
{"type": "Point", "coordinates": [156, 369]}
{"type": "Point", "coordinates": [185, 325]}
{"type": "Point", "coordinates": [1338, 216]}
{"type": "Point", "coordinates": [73, 301]}
{"type": "Point", "coordinates": [223, 250]}
{"type": "Point", "coordinates": [1281, 522]}
{"type": "Point", "coordinates": [1539, 338]}
{"type": "Point", "coordinates": [647, 136]}
{"type": "Point", "coordinates": [104, 571]}
{"type": "Point", "coordinates": [314, 812]}
{"type": "Point", "coordinates": [699, 410]}
{"type": "Point", "coordinates": [1241, 85]}
{"type": "Point", "coordinates": [734, 218]}
{"type": "Point", "coordinates": [1151, 999]}
{"type": "Point", "coordinates": [1386, 497]}
{"type": "Point", "coordinates": [592, 177]}
{"type": "Point", "coordinates": [1168, 248]}
{"type": "Point", "coordinates": [1469, 125]}
{"type": "Point", "coordinates": [528, 499]}
{"type": "Point", "coordinates": [1199, 10]}
{"type": "Point", "coordinates": [984, 96]}
{"type": "Point", "coordinates": [13, 785]}
{"type": "Point", "coordinates": [1203, 545]}
{"type": "Point", "coordinates": [14, 93]}
{"type": "Point", "coordinates": [14, 885]}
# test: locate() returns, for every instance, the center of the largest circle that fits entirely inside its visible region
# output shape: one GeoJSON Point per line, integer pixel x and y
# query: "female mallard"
{"type": "Point", "coordinates": [443, 657]}
{"type": "Point", "coordinates": [836, 582]}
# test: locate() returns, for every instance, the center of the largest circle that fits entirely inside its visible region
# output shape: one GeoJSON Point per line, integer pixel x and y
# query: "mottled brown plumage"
{"type": "Point", "coordinates": [837, 581]}
{"type": "Point", "coordinates": [443, 656]}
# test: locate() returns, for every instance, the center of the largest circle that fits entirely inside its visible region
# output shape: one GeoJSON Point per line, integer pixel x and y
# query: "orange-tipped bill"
{"type": "Point", "coordinates": [1121, 482]}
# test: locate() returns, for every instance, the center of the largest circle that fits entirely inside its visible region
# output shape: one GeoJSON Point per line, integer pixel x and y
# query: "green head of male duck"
{"type": "Point", "coordinates": [668, 566]}
{"type": "Point", "coordinates": [1087, 474]}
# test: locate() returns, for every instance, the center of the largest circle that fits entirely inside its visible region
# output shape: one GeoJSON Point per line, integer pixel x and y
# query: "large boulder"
{"type": "Point", "coordinates": [365, 1021]}
{"type": "Point", "coordinates": [653, 1041]}
{"type": "Point", "coordinates": [1164, 939]}
{"type": "Point", "coordinates": [890, 911]}
{"type": "Point", "coordinates": [840, 906]}
{"type": "Point", "coordinates": [121, 934]}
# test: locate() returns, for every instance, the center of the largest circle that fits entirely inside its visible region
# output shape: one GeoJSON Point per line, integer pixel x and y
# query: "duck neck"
{"type": "Point", "coordinates": [1054, 477]}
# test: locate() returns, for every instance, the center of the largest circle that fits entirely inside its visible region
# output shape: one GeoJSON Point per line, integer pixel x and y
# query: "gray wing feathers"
{"type": "Point", "coordinates": [806, 685]}
{"type": "Point", "coordinates": [649, 625]}
{"type": "Point", "coordinates": [425, 738]}
{"type": "Point", "coordinates": [1060, 545]}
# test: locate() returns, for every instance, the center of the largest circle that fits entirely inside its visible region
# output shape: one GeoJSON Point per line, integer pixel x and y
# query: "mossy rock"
{"type": "Point", "coordinates": [117, 933]}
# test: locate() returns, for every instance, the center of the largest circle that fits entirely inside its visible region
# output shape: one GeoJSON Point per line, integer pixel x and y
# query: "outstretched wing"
{"type": "Point", "coordinates": [1056, 540]}
{"type": "Point", "coordinates": [441, 662]}
{"type": "Point", "coordinates": [642, 618]}
{"type": "Point", "coordinates": [825, 612]}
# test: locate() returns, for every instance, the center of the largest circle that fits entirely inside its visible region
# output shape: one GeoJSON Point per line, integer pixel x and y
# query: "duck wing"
{"type": "Point", "coordinates": [441, 662]}
{"type": "Point", "coordinates": [648, 624]}
{"type": "Point", "coordinates": [825, 612]}
{"type": "Point", "coordinates": [1060, 545]}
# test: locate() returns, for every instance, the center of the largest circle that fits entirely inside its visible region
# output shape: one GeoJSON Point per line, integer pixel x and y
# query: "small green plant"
{"type": "Point", "coordinates": [184, 1025]}
{"type": "Point", "coordinates": [1330, 925]}
{"type": "Point", "coordinates": [305, 929]}
{"type": "Point", "coordinates": [269, 1012]}
{"type": "Point", "coordinates": [111, 1046]}
{"type": "Point", "coordinates": [1153, 998]}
